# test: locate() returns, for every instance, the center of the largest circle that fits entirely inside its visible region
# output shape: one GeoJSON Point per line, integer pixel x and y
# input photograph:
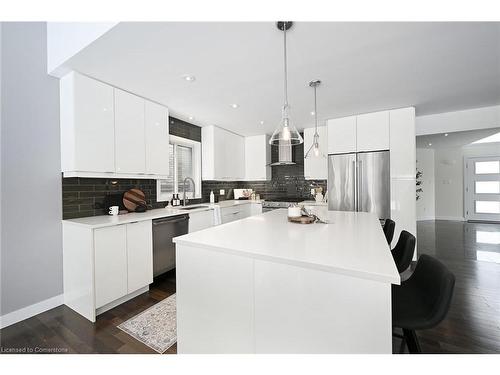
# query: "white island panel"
{"type": "Point", "coordinates": [214, 297]}
{"type": "Point", "coordinates": [299, 310]}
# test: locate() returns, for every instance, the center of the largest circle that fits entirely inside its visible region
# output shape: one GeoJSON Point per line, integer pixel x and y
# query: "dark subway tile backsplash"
{"type": "Point", "coordinates": [84, 197]}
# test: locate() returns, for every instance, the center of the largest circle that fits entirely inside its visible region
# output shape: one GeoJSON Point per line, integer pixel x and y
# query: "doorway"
{"type": "Point", "coordinates": [482, 188]}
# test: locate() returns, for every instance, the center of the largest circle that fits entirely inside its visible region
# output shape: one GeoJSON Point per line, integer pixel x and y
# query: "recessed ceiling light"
{"type": "Point", "coordinates": [234, 105]}
{"type": "Point", "coordinates": [445, 134]}
{"type": "Point", "coordinates": [191, 118]}
{"type": "Point", "coordinates": [189, 78]}
{"type": "Point", "coordinates": [262, 122]}
{"type": "Point", "coordinates": [430, 144]}
{"type": "Point", "coordinates": [312, 113]}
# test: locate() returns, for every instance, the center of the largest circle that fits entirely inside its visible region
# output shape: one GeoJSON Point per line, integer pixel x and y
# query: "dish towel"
{"type": "Point", "coordinates": [217, 215]}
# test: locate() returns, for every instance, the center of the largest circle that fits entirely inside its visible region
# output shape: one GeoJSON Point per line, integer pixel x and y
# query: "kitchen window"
{"type": "Point", "coordinates": [184, 161]}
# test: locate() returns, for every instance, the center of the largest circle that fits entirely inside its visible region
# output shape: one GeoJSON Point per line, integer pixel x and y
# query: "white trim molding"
{"type": "Point", "coordinates": [29, 311]}
{"type": "Point", "coordinates": [424, 218]}
{"type": "Point", "coordinates": [451, 218]}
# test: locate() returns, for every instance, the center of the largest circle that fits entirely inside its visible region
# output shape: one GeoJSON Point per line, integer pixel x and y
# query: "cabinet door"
{"type": "Point", "coordinates": [342, 135]}
{"type": "Point", "coordinates": [110, 257]}
{"type": "Point", "coordinates": [87, 116]}
{"type": "Point", "coordinates": [201, 220]}
{"type": "Point", "coordinates": [129, 133]}
{"type": "Point", "coordinates": [402, 142]}
{"type": "Point", "coordinates": [222, 151]}
{"type": "Point", "coordinates": [316, 167]}
{"type": "Point", "coordinates": [373, 131]}
{"type": "Point", "coordinates": [257, 158]}
{"type": "Point", "coordinates": [139, 255]}
{"type": "Point", "coordinates": [156, 131]}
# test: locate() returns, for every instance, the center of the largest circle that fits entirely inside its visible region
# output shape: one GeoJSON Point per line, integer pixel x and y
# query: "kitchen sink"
{"type": "Point", "coordinates": [192, 207]}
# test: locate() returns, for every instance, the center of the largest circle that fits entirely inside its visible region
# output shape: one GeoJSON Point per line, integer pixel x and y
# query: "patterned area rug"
{"type": "Point", "coordinates": [156, 327]}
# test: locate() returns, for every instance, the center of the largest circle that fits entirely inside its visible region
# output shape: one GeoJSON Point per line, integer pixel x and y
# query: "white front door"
{"type": "Point", "coordinates": [482, 190]}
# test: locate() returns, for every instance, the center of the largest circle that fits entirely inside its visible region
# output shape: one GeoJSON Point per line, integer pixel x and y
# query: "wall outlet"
{"type": "Point", "coordinates": [222, 192]}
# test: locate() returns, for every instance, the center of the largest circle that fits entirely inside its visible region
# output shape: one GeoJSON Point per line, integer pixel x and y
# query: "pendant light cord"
{"type": "Point", "coordinates": [315, 113]}
{"type": "Point", "coordinates": [286, 68]}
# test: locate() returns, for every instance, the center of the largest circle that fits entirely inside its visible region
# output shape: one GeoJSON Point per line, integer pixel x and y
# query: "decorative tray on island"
{"type": "Point", "coordinates": [304, 219]}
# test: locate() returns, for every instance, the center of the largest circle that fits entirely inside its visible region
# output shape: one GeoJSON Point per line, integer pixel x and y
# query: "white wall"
{"type": "Point", "coordinates": [448, 122]}
{"type": "Point", "coordinates": [66, 39]}
{"type": "Point", "coordinates": [426, 203]}
{"type": "Point", "coordinates": [449, 183]}
{"type": "Point", "coordinates": [449, 176]}
{"type": "Point", "coordinates": [31, 235]}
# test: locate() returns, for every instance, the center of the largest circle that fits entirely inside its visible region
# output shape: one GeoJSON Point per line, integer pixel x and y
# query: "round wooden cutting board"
{"type": "Point", "coordinates": [134, 198]}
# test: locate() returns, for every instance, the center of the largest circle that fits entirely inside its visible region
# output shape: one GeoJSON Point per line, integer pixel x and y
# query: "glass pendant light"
{"type": "Point", "coordinates": [314, 150]}
{"type": "Point", "coordinates": [285, 133]}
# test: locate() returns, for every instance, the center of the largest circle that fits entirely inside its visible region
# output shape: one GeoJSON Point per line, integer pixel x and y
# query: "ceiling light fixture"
{"type": "Point", "coordinates": [445, 134]}
{"type": "Point", "coordinates": [234, 105]}
{"type": "Point", "coordinates": [191, 118]}
{"type": "Point", "coordinates": [430, 144]}
{"type": "Point", "coordinates": [262, 122]}
{"type": "Point", "coordinates": [285, 132]}
{"type": "Point", "coordinates": [314, 149]}
{"type": "Point", "coordinates": [189, 78]}
{"type": "Point", "coordinates": [313, 113]}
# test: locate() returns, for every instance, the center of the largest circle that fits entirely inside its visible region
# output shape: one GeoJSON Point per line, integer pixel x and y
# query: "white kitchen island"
{"type": "Point", "coordinates": [264, 285]}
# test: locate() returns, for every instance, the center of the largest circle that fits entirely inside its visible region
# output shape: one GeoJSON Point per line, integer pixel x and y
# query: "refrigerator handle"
{"type": "Point", "coordinates": [360, 185]}
{"type": "Point", "coordinates": [355, 177]}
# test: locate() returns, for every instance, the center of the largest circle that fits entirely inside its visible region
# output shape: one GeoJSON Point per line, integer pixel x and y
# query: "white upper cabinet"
{"type": "Point", "coordinates": [316, 167]}
{"type": "Point", "coordinates": [402, 143]}
{"type": "Point", "coordinates": [87, 125]}
{"type": "Point", "coordinates": [108, 132]}
{"type": "Point", "coordinates": [223, 154]}
{"type": "Point", "coordinates": [130, 143]}
{"type": "Point", "coordinates": [156, 132]}
{"type": "Point", "coordinates": [342, 135]}
{"type": "Point", "coordinates": [257, 158]}
{"type": "Point", "coordinates": [373, 131]}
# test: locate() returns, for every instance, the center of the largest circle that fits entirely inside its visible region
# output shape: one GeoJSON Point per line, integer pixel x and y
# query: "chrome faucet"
{"type": "Point", "coordinates": [184, 199]}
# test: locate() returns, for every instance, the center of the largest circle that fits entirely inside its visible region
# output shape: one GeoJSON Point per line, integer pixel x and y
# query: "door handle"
{"type": "Point", "coordinates": [360, 180]}
{"type": "Point", "coordinates": [355, 178]}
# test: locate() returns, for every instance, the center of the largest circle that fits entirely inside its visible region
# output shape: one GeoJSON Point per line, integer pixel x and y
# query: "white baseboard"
{"type": "Point", "coordinates": [452, 218]}
{"type": "Point", "coordinates": [426, 218]}
{"type": "Point", "coordinates": [29, 311]}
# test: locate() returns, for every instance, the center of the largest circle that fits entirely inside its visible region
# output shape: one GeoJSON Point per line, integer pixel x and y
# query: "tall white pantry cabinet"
{"type": "Point", "coordinates": [392, 130]}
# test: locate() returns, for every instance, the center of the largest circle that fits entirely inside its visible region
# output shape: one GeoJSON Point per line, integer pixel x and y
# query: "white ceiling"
{"type": "Point", "coordinates": [436, 67]}
{"type": "Point", "coordinates": [455, 139]}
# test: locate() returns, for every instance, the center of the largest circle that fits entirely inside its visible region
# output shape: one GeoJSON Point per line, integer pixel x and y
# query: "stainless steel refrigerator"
{"type": "Point", "coordinates": [360, 182]}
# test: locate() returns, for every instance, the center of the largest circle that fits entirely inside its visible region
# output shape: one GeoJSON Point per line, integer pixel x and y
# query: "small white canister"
{"type": "Point", "coordinates": [294, 211]}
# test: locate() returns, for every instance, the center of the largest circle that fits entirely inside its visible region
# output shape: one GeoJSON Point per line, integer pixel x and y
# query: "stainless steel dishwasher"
{"type": "Point", "coordinates": [164, 230]}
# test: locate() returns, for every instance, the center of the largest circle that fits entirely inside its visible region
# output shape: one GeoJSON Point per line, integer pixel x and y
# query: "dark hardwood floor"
{"type": "Point", "coordinates": [64, 331]}
{"type": "Point", "coordinates": [472, 325]}
{"type": "Point", "coordinates": [472, 252]}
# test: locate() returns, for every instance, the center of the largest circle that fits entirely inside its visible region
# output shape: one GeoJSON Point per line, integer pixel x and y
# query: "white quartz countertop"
{"type": "Point", "coordinates": [107, 220]}
{"type": "Point", "coordinates": [352, 243]}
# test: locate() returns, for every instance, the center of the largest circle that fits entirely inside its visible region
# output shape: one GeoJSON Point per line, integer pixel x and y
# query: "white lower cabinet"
{"type": "Point", "coordinates": [110, 249]}
{"type": "Point", "coordinates": [106, 266]}
{"type": "Point", "coordinates": [239, 212]}
{"type": "Point", "coordinates": [200, 220]}
{"type": "Point", "coordinates": [139, 255]}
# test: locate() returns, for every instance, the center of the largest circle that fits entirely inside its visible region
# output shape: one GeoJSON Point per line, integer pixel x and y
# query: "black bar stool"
{"type": "Point", "coordinates": [389, 227]}
{"type": "Point", "coordinates": [422, 301]}
{"type": "Point", "coordinates": [403, 251]}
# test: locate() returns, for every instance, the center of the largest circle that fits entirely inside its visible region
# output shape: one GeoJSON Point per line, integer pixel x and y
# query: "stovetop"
{"type": "Point", "coordinates": [286, 199]}
{"type": "Point", "coordinates": [281, 202]}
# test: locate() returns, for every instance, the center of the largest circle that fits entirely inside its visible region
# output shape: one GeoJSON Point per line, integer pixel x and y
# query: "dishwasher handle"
{"type": "Point", "coordinates": [170, 220]}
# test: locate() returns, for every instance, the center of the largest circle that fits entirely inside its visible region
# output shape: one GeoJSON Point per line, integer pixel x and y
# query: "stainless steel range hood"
{"type": "Point", "coordinates": [284, 154]}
